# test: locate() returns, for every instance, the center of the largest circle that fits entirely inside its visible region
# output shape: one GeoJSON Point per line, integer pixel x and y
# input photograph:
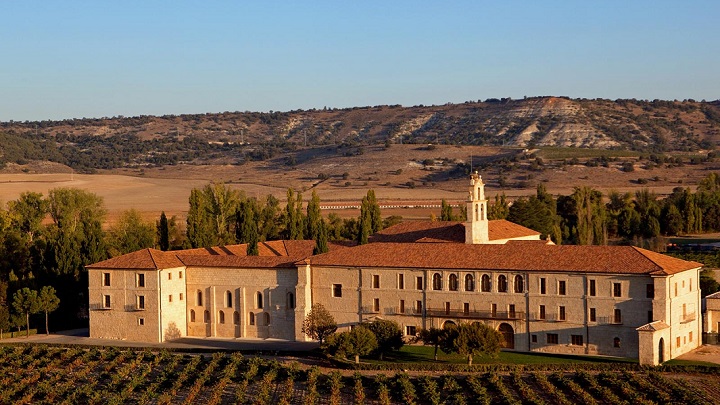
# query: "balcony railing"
{"type": "Point", "coordinates": [407, 311]}
{"type": "Point", "coordinates": [506, 315]}
{"type": "Point", "coordinates": [535, 316]}
{"type": "Point", "coordinates": [688, 317]}
{"type": "Point", "coordinates": [99, 307]}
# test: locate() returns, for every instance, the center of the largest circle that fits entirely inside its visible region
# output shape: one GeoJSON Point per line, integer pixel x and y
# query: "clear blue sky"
{"type": "Point", "coordinates": [73, 59]}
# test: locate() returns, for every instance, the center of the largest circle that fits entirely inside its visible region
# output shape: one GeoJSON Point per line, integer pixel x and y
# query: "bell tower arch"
{"type": "Point", "coordinates": [476, 226]}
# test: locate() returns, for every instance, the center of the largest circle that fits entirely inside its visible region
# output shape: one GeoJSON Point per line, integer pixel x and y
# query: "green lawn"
{"type": "Point", "coordinates": [424, 354]}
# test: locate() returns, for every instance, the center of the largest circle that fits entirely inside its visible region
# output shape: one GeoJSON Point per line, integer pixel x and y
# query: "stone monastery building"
{"type": "Point", "coordinates": [606, 300]}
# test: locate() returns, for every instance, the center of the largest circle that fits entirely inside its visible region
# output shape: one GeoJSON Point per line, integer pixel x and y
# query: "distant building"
{"type": "Point", "coordinates": [605, 300]}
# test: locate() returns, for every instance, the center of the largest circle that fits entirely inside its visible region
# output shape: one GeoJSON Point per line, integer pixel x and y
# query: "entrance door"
{"type": "Point", "coordinates": [661, 351]}
{"type": "Point", "coordinates": [508, 336]}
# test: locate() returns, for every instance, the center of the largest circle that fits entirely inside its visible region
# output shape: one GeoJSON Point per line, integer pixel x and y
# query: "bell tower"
{"type": "Point", "coordinates": [476, 226]}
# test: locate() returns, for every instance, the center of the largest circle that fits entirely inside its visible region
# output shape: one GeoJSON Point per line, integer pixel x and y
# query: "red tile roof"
{"type": "Point", "coordinates": [516, 257]}
{"type": "Point", "coordinates": [447, 231]}
{"type": "Point", "coordinates": [146, 259]}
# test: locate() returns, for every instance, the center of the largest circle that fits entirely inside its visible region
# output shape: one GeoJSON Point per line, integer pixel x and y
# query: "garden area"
{"type": "Point", "coordinates": [43, 374]}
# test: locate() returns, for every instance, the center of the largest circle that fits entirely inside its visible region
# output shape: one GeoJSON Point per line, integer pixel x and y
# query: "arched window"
{"type": "Point", "coordinates": [199, 298]}
{"type": "Point", "coordinates": [252, 318]}
{"type": "Point", "coordinates": [192, 315]}
{"type": "Point", "coordinates": [616, 342]}
{"type": "Point", "coordinates": [502, 283]}
{"type": "Point", "coordinates": [236, 318]}
{"type": "Point", "coordinates": [469, 282]}
{"type": "Point", "coordinates": [290, 300]}
{"type": "Point", "coordinates": [437, 281]}
{"type": "Point", "coordinates": [259, 300]}
{"type": "Point", "coordinates": [206, 316]}
{"type": "Point", "coordinates": [221, 316]}
{"type": "Point", "coordinates": [453, 282]}
{"type": "Point", "coordinates": [266, 318]}
{"type": "Point", "coordinates": [228, 299]}
{"type": "Point", "coordinates": [519, 284]}
{"type": "Point", "coordinates": [485, 283]}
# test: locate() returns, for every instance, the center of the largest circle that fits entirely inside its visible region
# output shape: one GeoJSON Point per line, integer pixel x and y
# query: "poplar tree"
{"type": "Point", "coordinates": [246, 229]}
{"type": "Point", "coordinates": [321, 242]}
{"type": "Point", "coordinates": [314, 217]}
{"type": "Point", "coordinates": [446, 211]}
{"type": "Point", "coordinates": [291, 231]}
{"type": "Point", "coordinates": [500, 209]}
{"type": "Point", "coordinates": [199, 230]}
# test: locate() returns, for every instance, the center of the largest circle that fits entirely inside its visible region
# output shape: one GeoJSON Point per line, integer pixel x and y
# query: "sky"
{"type": "Point", "coordinates": [75, 59]}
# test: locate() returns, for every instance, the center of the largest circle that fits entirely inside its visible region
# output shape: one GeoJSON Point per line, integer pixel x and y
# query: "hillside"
{"type": "Point", "coordinates": [237, 137]}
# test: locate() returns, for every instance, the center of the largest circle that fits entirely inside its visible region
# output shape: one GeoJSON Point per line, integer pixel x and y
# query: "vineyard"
{"type": "Point", "coordinates": [50, 375]}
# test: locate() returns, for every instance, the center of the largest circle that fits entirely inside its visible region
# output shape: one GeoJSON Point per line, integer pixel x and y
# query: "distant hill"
{"type": "Point", "coordinates": [235, 137]}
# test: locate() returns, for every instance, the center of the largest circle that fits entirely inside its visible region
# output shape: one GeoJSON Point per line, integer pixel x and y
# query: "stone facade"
{"type": "Point", "coordinates": [616, 301]}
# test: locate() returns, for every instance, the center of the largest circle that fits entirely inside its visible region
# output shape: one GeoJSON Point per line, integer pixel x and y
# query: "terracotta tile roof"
{"type": "Point", "coordinates": [447, 231]}
{"type": "Point", "coordinates": [514, 256]}
{"type": "Point", "coordinates": [653, 326]}
{"type": "Point", "coordinates": [271, 254]}
{"type": "Point", "coordinates": [239, 262]}
{"type": "Point", "coordinates": [146, 259]}
{"type": "Point", "coordinates": [714, 296]}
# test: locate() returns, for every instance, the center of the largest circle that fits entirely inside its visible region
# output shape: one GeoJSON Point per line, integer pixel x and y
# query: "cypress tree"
{"type": "Point", "coordinates": [321, 242]}
{"type": "Point", "coordinates": [446, 213]}
{"type": "Point", "coordinates": [291, 231]}
{"type": "Point", "coordinates": [163, 232]}
{"type": "Point", "coordinates": [299, 218]}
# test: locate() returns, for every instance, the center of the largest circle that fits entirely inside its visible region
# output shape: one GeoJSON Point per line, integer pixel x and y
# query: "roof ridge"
{"type": "Point", "coordinates": [152, 257]}
{"type": "Point", "coordinates": [642, 251]}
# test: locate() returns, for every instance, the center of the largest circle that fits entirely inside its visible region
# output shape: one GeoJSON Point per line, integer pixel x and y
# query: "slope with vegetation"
{"type": "Point", "coordinates": [90, 144]}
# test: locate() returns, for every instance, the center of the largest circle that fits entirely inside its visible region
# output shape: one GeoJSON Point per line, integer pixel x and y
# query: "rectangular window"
{"type": "Point", "coordinates": [181, 296]}
{"type": "Point", "coordinates": [543, 285]}
{"type": "Point", "coordinates": [170, 298]}
{"type": "Point", "coordinates": [617, 316]}
{"type": "Point", "coordinates": [493, 310]}
{"type": "Point", "coordinates": [140, 280]}
{"type": "Point", "coordinates": [533, 338]}
{"type": "Point", "coordinates": [678, 341]}
{"type": "Point", "coordinates": [337, 290]}
{"type": "Point", "coordinates": [690, 336]}
{"type": "Point", "coordinates": [466, 307]}
{"type": "Point", "coordinates": [650, 316]}
{"type": "Point", "coordinates": [169, 276]}
{"type": "Point", "coordinates": [552, 338]}
{"type": "Point", "coordinates": [592, 288]}
{"type": "Point", "coordinates": [418, 307]}
{"type": "Point", "coordinates": [542, 311]}
{"type": "Point", "coordinates": [410, 331]}
{"type": "Point", "coordinates": [106, 301]}
{"type": "Point", "coordinates": [401, 281]}
{"type": "Point", "coordinates": [106, 279]}
{"type": "Point", "coordinates": [376, 281]}
{"type": "Point", "coordinates": [576, 340]}
{"type": "Point", "coordinates": [650, 291]}
{"type": "Point", "coordinates": [402, 306]}
{"type": "Point", "coordinates": [179, 274]}
{"type": "Point", "coordinates": [593, 317]}
{"type": "Point", "coordinates": [140, 302]}
{"type": "Point", "coordinates": [419, 283]}
{"type": "Point", "coordinates": [376, 305]}
{"type": "Point", "coordinates": [562, 290]}
{"type": "Point", "coordinates": [676, 289]}
{"type": "Point", "coordinates": [447, 308]}
{"type": "Point", "coordinates": [691, 285]}
{"type": "Point", "coordinates": [511, 310]}
{"type": "Point", "coordinates": [141, 321]}
{"type": "Point", "coordinates": [561, 313]}
{"type": "Point", "coordinates": [617, 290]}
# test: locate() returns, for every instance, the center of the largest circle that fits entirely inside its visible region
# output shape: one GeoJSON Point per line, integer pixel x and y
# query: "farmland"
{"type": "Point", "coordinates": [41, 374]}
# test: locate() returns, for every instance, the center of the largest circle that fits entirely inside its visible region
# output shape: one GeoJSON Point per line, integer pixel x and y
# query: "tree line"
{"type": "Point", "coordinates": [48, 240]}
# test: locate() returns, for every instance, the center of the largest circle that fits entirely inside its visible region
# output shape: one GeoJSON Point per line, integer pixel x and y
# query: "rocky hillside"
{"type": "Point", "coordinates": [234, 137]}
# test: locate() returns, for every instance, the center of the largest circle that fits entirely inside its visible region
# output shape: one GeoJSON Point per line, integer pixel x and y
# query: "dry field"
{"type": "Point", "coordinates": [388, 171]}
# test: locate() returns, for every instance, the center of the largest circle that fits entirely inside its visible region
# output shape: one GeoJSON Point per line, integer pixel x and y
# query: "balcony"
{"type": "Point", "coordinates": [500, 315]}
{"type": "Point", "coordinates": [99, 307]}
{"type": "Point", "coordinates": [535, 316]}
{"type": "Point", "coordinates": [408, 311]}
{"type": "Point", "coordinates": [685, 318]}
